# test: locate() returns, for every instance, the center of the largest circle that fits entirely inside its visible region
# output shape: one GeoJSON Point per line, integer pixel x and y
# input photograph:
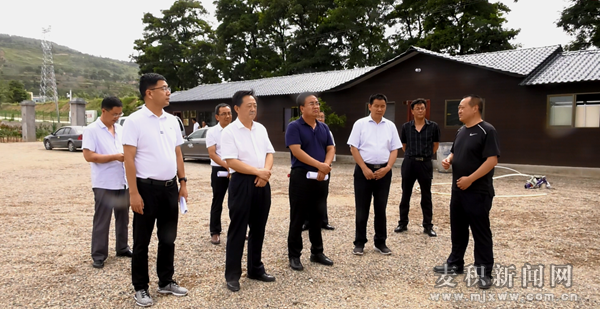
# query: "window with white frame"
{"type": "Point", "coordinates": [574, 110]}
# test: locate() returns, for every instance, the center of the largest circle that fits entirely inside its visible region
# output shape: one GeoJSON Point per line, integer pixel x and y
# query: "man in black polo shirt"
{"type": "Point", "coordinates": [421, 139]}
{"type": "Point", "coordinates": [473, 157]}
{"type": "Point", "coordinates": [312, 152]}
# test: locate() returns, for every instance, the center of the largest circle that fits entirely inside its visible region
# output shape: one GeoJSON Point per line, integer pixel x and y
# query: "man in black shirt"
{"type": "Point", "coordinates": [421, 139]}
{"type": "Point", "coordinates": [473, 156]}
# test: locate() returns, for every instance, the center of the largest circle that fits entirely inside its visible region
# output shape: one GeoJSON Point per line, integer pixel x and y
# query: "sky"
{"type": "Point", "coordinates": [108, 28]}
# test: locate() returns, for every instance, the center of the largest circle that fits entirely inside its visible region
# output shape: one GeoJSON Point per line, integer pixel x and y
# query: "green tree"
{"type": "Point", "coordinates": [466, 27]}
{"type": "Point", "coordinates": [180, 45]}
{"type": "Point", "coordinates": [17, 92]}
{"type": "Point", "coordinates": [407, 19]}
{"type": "Point", "coordinates": [332, 119]}
{"type": "Point", "coordinates": [582, 20]}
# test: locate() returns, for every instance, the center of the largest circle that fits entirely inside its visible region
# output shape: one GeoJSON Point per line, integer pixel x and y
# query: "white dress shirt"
{"type": "Point", "coordinates": [213, 137]}
{"type": "Point", "coordinates": [97, 138]}
{"type": "Point", "coordinates": [196, 126]}
{"type": "Point", "coordinates": [248, 146]}
{"type": "Point", "coordinates": [374, 141]}
{"type": "Point", "coordinates": [155, 138]}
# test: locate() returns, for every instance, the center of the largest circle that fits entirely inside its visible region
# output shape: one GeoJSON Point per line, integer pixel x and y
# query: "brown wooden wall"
{"type": "Point", "coordinates": [519, 113]}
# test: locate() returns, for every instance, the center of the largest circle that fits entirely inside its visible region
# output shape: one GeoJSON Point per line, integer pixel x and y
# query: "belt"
{"type": "Point", "coordinates": [376, 166]}
{"type": "Point", "coordinates": [424, 159]}
{"type": "Point", "coordinates": [161, 183]}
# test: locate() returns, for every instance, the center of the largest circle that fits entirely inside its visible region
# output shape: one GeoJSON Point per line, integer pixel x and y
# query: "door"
{"type": "Point", "coordinates": [59, 137]}
{"type": "Point", "coordinates": [195, 145]}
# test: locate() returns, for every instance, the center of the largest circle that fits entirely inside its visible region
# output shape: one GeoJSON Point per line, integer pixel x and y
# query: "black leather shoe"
{"type": "Point", "coordinates": [305, 227]}
{"type": "Point", "coordinates": [233, 286]}
{"type": "Point", "coordinates": [328, 227]}
{"type": "Point", "coordinates": [295, 264]}
{"type": "Point", "coordinates": [127, 253]}
{"type": "Point", "coordinates": [448, 269]}
{"type": "Point", "coordinates": [98, 264]}
{"type": "Point", "coordinates": [321, 259]}
{"type": "Point", "coordinates": [264, 278]}
{"type": "Point", "coordinates": [401, 228]}
{"type": "Point", "coordinates": [430, 232]}
{"type": "Point", "coordinates": [485, 282]}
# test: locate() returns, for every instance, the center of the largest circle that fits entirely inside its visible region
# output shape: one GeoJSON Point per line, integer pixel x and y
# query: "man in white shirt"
{"type": "Point", "coordinates": [374, 144]}
{"type": "Point", "coordinates": [153, 162]}
{"type": "Point", "coordinates": [103, 149]}
{"type": "Point", "coordinates": [218, 183]}
{"type": "Point", "coordinates": [246, 148]}
{"type": "Point", "coordinates": [196, 124]}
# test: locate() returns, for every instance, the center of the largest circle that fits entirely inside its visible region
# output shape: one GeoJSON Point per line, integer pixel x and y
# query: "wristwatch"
{"type": "Point", "coordinates": [183, 179]}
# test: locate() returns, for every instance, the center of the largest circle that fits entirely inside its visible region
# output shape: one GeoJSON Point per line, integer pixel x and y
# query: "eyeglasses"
{"type": "Point", "coordinates": [419, 108]}
{"type": "Point", "coordinates": [117, 115]}
{"type": "Point", "coordinates": [225, 114]}
{"type": "Point", "coordinates": [164, 88]}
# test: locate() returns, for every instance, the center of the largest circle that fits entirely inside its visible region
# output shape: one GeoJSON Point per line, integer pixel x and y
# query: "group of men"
{"type": "Point", "coordinates": [140, 165]}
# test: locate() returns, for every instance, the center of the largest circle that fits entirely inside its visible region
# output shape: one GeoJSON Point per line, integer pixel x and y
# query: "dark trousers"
{"type": "Point", "coordinates": [307, 198]}
{"type": "Point", "coordinates": [325, 220]}
{"type": "Point", "coordinates": [219, 187]}
{"type": "Point", "coordinates": [105, 202]}
{"type": "Point", "coordinates": [363, 191]}
{"type": "Point", "coordinates": [421, 171]}
{"type": "Point", "coordinates": [248, 207]}
{"type": "Point", "coordinates": [160, 206]}
{"type": "Point", "coordinates": [471, 209]}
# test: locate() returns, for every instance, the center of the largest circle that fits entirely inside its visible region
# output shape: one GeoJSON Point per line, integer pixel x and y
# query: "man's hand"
{"type": "Point", "coordinates": [137, 203]}
{"type": "Point", "coordinates": [119, 157]}
{"type": "Point", "coordinates": [464, 182]}
{"type": "Point", "coordinates": [368, 173]}
{"type": "Point", "coordinates": [183, 190]}
{"type": "Point", "coordinates": [380, 173]}
{"type": "Point", "coordinates": [324, 168]}
{"type": "Point", "coordinates": [446, 163]}
{"type": "Point", "coordinates": [259, 182]}
{"type": "Point", "coordinates": [264, 174]}
{"type": "Point", "coordinates": [321, 176]}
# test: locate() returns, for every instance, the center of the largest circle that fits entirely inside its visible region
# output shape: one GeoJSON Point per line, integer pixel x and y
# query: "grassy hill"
{"type": "Point", "coordinates": [88, 76]}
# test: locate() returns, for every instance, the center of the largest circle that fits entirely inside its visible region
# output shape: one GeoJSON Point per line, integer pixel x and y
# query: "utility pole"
{"type": "Point", "coordinates": [48, 90]}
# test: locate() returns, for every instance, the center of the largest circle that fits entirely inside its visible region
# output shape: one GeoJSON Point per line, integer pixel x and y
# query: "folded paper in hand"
{"type": "Point", "coordinates": [222, 174]}
{"type": "Point", "coordinates": [313, 175]}
{"type": "Point", "coordinates": [183, 205]}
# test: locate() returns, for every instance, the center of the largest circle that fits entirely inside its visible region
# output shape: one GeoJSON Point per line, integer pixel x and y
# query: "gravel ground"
{"type": "Point", "coordinates": [46, 224]}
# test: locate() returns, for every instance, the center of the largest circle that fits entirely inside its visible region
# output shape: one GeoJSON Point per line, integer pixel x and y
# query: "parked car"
{"type": "Point", "coordinates": [69, 137]}
{"type": "Point", "coordinates": [181, 128]}
{"type": "Point", "coordinates": [194, 145]}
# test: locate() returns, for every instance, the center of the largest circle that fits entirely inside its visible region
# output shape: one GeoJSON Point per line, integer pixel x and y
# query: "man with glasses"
{"type": "Point", "coordinates": [102, 147]}
{"type": "Point", "coordinates": [421, 139]}
{"type": "Point", "coordinates": [374, 144]}
{"type": "Point", "coordinates": [153, 163]}
{"type": "Point", "coordinates": [311, 151]}
{"type": "Point", "coordinates": [219, 178]}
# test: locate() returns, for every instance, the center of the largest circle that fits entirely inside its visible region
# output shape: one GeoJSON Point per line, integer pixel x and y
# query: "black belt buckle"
{"type": "Point", "coordinates": [419, 158]}
{"type": "Point", "coordinates": [376, 165]}
{"type": "Point", "coordinates": [168, 183]}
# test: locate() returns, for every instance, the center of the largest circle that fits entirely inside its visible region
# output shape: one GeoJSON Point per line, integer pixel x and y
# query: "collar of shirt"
{"type": "Point", "coordinates": [427, 122]}
{"type": "Point", "coordinates": [238, 124]}
{"type": "Point", "coordinates": [149, 113]}
{"type": "Point", "coordinates": [383, 120]}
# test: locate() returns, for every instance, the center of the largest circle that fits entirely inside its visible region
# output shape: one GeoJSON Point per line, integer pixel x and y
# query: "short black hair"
{"type": "Point", "coordinates": [194, 120]}
{"type": "Point", "coordinates": [111, 102]}
{"type": "Point", "coordinates": [475, 100]}
{"type": "Point", "coordinates": [301, 98]}
{"type": "Point", "coordinates": [238, 96]}
{"type": "Point", "coordinates": [148, 80]}
{"type": "Point", "coordinates": [418, 101]}
{"type": "Point", "coordinates": [218, 107]}
{"type": "Point", "coordinates": [377, 96]}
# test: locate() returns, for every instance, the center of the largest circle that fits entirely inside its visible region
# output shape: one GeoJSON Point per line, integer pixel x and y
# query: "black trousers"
{"type": "Point", "coordinates": [364, 190]}
{"type": "Point", "coordinates": [307, 198]}
{"type": "Point", "coordinates": [219, 187]}
{"type": "Point", "coordinates": [421, 171]}
{"type": "Point", "coordinates": [248, 207]}
{"type": "Point", "coordinates": [325, 220]}
{"type": "Point", "coordinates": [471, 209]}
{"type": "Point", "coordinates": [160, 206]}
{"type": "Point", "coordinates": [107, 201]}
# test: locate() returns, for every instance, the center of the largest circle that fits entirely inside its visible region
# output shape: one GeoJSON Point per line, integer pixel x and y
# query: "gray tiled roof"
{"type": "Point", "coordinates": [516, 61]}
{"type": "Point", "coordinates": [568, 67]}
{"type": "Point", "coordinates": [292, 84]}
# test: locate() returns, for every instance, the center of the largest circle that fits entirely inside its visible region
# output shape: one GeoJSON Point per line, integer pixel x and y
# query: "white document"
{"type": "Point", "coordinates": [183, 205]}
{"type": "Point", "coordinates": [222, 174]}
{"type": "Point", "coordinates": [313, 175]}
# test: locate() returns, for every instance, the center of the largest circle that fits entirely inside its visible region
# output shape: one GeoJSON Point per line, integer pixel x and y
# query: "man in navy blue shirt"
{"type": "Point", "coordinates": [312, 152]}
